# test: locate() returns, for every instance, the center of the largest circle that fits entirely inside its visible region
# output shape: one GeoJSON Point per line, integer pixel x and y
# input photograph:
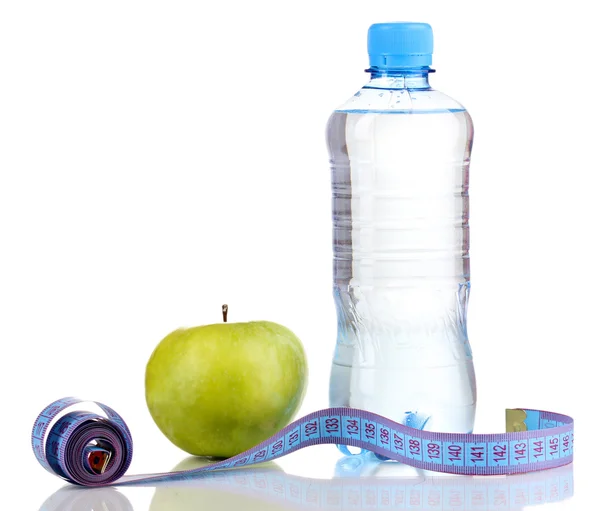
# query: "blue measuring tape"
{"type": "Point", "coordinates": [90, 450]}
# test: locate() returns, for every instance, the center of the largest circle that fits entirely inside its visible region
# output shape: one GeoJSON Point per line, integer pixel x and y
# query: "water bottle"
{"type": "Point", "coordinates": [400, 155]}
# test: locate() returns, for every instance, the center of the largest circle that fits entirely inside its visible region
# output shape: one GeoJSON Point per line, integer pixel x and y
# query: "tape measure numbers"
{"type": "Point", "coordinates": [87, 449]}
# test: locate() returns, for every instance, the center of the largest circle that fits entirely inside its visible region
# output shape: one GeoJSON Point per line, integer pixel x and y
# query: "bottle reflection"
{"type": "Point", "coordinates": [361, 482]}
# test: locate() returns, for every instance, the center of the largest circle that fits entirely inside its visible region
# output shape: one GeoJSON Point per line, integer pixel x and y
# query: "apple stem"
{"type": "Point", "coordinates": [225, 309]}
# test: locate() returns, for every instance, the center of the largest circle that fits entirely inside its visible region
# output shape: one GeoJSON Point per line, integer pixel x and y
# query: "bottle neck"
{"type": "Point", "coordinates": [408, 78]}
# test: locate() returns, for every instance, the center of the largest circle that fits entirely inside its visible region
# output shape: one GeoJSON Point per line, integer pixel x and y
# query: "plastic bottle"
{"type": "Point", "coordinates": [400, 155]}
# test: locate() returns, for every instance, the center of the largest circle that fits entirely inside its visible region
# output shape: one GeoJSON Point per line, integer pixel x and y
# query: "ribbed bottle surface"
{"type": "Point", "coordinates": [400, 193]}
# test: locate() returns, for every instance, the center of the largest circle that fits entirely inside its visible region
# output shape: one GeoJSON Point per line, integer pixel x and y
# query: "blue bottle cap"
{"type": "Point", "coordinates": [402, 44]}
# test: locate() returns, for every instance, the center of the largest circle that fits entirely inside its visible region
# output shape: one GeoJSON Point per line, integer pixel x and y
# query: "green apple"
{"type": "Point", "coordinates": [217, 390]}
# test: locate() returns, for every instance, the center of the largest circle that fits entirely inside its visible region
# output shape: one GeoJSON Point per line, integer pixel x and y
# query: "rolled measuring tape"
{"type": "Point", "coordinates": [90, 450]}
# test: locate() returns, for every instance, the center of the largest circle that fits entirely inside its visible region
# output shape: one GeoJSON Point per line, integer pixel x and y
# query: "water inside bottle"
{"type": "Point", "coordinates": [401, 265]}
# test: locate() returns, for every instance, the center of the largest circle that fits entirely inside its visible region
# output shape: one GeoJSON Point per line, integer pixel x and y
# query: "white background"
{"type": "Point", "coordinates": [159, 159]}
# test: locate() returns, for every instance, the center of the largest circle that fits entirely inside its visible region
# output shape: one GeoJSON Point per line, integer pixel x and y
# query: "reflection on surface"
{"type": "Point", "coordinates": [360, 483]}
{"type": "Point", "coordinates": [75, 498]}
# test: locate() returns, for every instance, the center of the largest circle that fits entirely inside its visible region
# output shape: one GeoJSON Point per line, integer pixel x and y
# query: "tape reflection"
{"type": "Point", "coordinates": [73, 498]}
{"type": "Point", "coordinates": [368, 485]}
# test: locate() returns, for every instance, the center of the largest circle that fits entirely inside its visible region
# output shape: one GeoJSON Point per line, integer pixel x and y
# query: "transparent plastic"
{"type": "Point", "coordinates": [400, 156]}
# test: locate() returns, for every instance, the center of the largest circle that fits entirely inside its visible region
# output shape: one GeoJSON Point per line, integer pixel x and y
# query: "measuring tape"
{"type": "Point", "coordinates": [90, 450]}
